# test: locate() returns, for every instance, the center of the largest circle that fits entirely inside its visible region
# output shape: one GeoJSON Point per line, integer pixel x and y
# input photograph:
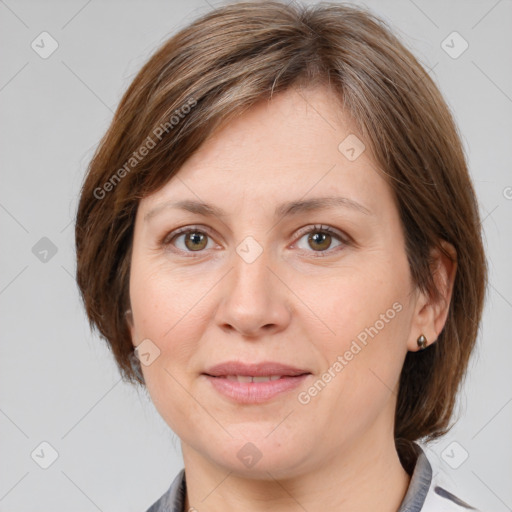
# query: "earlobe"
{"type": "Point", "coordinates": [432, 309]}
{"type": "Point", "coordinates": [133, 357]}
{"type": "Point", "coordinates": [128, 315]}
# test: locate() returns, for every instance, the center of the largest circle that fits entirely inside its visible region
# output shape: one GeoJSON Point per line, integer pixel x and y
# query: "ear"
{"type": "Point", "coordinates": [129, 321]}
{"type": "Point", "coordinates": [430, 312]}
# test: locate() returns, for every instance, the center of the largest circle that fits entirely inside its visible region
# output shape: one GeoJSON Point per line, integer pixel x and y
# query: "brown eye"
{"type": "Point", "coordinates": [319, 241]}
{"type": "Point", "coordinates": [195, 240]}
{"type": "Point", "coordinates": [188, 240]}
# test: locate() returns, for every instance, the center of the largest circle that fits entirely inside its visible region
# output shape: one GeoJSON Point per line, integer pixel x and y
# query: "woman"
{"type": "Point", "coordinates": [280, 221]}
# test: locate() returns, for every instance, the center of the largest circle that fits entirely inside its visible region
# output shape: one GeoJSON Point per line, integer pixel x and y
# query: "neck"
{"type": "Point", "coordinates": [363, 478]}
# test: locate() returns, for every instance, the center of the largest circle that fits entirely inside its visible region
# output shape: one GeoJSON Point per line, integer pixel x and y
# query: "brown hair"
{"type": "Point", "coordinates": [239, 54]}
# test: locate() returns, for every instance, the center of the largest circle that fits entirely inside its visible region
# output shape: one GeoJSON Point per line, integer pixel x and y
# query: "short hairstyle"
{"type": "Point", "coordinates": [218, 67]}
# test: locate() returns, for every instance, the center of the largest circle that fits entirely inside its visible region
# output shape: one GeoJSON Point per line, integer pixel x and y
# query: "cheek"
{"type": "Point", "coordinates": [159, 299]}
{"type": "Point", "coordinates": [368, 310]}
{"type": "Point", "coordinates": [164, 312]}
{"type": "Point", "coordinates": [362, 363]}
{"type": "Point", "coordinates": [170, 309]}
{"type": "Point", "coordinates": [359, 304]}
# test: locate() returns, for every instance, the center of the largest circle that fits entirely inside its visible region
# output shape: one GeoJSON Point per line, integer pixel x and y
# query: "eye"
{"type": "Point", "coordinates": [193, 239]}
{"type": "Point", "coordinates": [320, 238]}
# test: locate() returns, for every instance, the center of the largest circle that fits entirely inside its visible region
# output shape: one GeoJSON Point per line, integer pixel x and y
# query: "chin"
{"type": "Point", "coordinates": [261, 458]}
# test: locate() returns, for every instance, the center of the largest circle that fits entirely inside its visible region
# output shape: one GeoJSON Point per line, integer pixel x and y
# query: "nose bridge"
{"type": "Point", "coordinates": [253, 298]}
{"type": "Point", "coordinates": [252, 262]}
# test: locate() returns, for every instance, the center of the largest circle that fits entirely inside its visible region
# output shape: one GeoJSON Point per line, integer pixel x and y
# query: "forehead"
{"type": "Point", "coordinates": [290, 147]}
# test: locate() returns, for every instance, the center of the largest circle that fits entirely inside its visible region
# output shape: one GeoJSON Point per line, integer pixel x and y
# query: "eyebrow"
{"type": "Point", "coordinates": [284, 210]}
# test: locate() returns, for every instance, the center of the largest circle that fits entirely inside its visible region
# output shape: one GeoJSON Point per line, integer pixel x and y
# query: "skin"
{"type": "Point", "coordinates": [300, 302]}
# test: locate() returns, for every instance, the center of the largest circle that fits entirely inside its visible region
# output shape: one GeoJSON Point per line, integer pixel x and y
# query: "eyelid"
{"type": "Point", "coordinates": [310, 228]}
{"type": "Point", "coordinates": [323, 228]}
{"type": "Point", "coordinates": [169, 236]}
{"type": "Point", "coordinates": [342, 237]}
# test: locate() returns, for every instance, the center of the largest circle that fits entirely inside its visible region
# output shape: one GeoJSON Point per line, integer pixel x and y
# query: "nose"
{"type": "Point", "coordinates": [254, 300]}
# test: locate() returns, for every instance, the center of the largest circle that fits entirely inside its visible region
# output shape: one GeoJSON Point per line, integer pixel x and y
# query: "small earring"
{"type": "Point", "coordinates": [422, 342]}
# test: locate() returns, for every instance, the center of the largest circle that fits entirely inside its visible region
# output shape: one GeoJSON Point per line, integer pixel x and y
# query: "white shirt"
{"type": "Point", "coordinates": [424, 494]}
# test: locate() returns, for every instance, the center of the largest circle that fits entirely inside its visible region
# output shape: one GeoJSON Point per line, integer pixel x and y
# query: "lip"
{"type": "Point", "coordinates": [254, 369]}
{"type": "Point", "coordinates": [254, 392]}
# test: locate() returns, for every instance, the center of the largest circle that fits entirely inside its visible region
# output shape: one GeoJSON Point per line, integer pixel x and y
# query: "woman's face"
{"type": "Point", "coordinates": [322, 289]}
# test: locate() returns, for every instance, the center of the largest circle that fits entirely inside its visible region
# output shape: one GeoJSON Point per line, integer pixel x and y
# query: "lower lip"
{"type": "Point", "coordinates": [255, 392]}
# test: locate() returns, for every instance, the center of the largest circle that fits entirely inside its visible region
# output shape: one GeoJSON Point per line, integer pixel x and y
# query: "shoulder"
{"type": "Point", "coordinates": [173, 500]}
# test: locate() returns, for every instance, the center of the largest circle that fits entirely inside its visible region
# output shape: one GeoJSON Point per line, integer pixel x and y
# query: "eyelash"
{"type": "Point", "coordinates": [317, 228]}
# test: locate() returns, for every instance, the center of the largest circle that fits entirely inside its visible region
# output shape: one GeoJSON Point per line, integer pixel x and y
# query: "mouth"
{"type": "Point", "coordinates": [255, 382]}
{"type": "Point", "coordinates": [249, 378]}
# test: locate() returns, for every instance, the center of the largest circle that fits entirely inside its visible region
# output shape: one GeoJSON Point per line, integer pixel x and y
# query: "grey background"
{"type": "Point", "coordinates": [58, 382]}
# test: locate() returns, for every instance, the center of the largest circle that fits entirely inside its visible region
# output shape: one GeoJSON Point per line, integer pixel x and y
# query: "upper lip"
{"type": "Point", "coordinates": [253, 369]}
